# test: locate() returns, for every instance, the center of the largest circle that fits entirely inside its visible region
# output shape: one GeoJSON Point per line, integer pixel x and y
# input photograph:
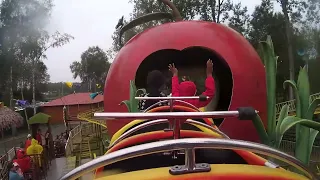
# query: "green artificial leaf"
{"type": "Point", "coordinates": [290, 121]}
{"type": "Point", "coordinates": [312, 108]}
{"type": "Point", "coordinates": [262, 53]}
{"type": "Point", "coordinates": [257, 122]}
{"type": "Point", "coordinates": [267, 54]}
{"type": "Point", "coordinates": [270, 43]}
{"type": "Point", "coordinates": [302, 144]}
{"type": "Point", "coordinates": [128, 104]}
{"type": "Point", "coordinates": [303, 86]}
{"type": "Point", "coordinates": [283, 114]}
{"type": "Point", "coordinates": [141, 91]}
{"type": "Point", "coordinates": [296, 92]}
{"type": "Point", "coordinates": [312, 138]}
{"type": "Point", "coordinates": [133, 101]}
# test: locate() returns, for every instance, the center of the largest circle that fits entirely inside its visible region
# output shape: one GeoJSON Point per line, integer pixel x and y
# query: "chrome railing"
{"type": "Point", "coordinates": [162, 121]}
{"type": "Point", "coordinates": [73, 134]}
{"type": "Point", "coordinates": [164, 115]}
{"type": "Point", "coordinates": [189, 145]}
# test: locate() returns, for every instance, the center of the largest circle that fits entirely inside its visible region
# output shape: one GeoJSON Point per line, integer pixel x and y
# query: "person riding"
{"type": "Point", "coordinates": [188, 88]}
{"type": "Point", "coordinates": [155, 84]}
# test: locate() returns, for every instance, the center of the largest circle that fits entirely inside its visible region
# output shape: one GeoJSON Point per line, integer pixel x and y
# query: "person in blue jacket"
{"type": "Point", "coordinates": [15, 172]}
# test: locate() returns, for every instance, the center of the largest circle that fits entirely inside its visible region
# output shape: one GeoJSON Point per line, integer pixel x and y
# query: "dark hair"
{"type": "Point", "coordinates": [10, 165]}
{"type": "Point", "coordinates": [155, 81]}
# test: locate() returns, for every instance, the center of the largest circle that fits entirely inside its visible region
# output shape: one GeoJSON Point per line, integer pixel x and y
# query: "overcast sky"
{"type": "Point", "coordinates": [91, 22]}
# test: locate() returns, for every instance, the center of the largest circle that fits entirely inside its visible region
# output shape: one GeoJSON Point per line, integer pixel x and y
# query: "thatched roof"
{"type": "Point", "coordinates": [9, 117]}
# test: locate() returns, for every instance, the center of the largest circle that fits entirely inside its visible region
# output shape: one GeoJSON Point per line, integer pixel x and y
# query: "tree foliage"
{"type": "Point", "coordinates": [239, 20]}
{"type": "Point", "coordinates": [24, 41]}
{"type": "Point", "coordinates": [92, 68]}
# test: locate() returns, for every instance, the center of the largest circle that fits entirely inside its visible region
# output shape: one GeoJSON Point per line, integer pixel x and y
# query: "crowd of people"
{"type": "Point", "coordinates": [156, 83]}
{"type": "Point", "coordinates": [20, 166]}
{"type": "Point", "coordinates": [60, 143]}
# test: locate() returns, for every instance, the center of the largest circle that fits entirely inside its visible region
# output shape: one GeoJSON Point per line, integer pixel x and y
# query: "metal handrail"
{"type": "Point", "coordinates": [172, 98]}
{"type": "Point", "coordinates": [160, 102]}
{"type": "Point", "coordinates": [164, 115]}
{"type": "Point", "coordinates": [160, 121]}
{"type": "Point", "coordinates": [184, 144]}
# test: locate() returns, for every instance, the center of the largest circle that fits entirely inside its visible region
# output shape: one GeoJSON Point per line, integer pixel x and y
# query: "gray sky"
{"type": "Point", "coordinates": [91, 22]}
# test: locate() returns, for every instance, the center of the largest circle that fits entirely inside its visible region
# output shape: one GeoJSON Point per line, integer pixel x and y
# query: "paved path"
{"type": "Point", "coordinates": [56, 168]}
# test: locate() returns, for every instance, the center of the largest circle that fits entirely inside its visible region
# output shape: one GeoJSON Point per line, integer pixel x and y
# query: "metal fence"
{"type": "Point", "coordinates": [289, 148]}
{"type": "Point", "coordinates": [292, 103]}
{"type": "Point", "coordinates": [73, 134]}
{"type": "Point", "coordinates": [5, 146]}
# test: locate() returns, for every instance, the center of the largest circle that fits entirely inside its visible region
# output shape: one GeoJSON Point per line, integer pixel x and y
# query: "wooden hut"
{"type": "Point", "coordinates": [9, 119]}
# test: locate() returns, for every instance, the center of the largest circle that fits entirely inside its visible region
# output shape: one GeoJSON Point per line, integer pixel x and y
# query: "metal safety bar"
{"type": "Point", "coordinates": [168, 115]}
{"type": "Point", "coordinates": [189, 145]}
{"type": "Point", "coordinates": [173, 98]}
{"type": "Point", "coordinates": [161, 121]}
{"type": "Point", "coordinates": [171, 108]}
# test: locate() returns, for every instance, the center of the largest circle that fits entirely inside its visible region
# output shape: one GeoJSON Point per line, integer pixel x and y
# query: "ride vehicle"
{"type": "Point", "coordinates": [218, 141]}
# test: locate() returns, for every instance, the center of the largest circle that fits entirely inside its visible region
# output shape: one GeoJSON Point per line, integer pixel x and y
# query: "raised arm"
{"type": "Point", "coordinates": [209, 84]}
{"type": "Point", "coordinates": [174, 80]}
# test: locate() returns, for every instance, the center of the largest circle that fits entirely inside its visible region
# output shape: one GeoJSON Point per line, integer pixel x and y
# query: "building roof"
{"type": "Point", "coordinates": [74, 99]}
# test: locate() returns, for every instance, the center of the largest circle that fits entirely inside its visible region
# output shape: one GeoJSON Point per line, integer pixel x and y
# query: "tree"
{"type": "Point", "coordinates": [24, 41]}
{"type": "Point", "coordinates": [239, 21]}
{"type": "Point", "coordinates": [292, 11]}
{"type": "Point", "coordinates": [20, 20]}
{"type": "Point", "coordinates": [188, 10]}
{"type": "Point", "coordinates": [92, 68]}
{"type": "Point", "coordinates": [214, 10]}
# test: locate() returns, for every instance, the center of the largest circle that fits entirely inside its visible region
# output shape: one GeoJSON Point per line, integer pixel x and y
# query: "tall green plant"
{"type": "Point", "coordinates": [266, 51]}
{"type": "Point", "coordinates": [132, 103]}
{"type": "Point", "coordinates": [306, 129]}
{"type": "Point", "coordinates": [269, 59]}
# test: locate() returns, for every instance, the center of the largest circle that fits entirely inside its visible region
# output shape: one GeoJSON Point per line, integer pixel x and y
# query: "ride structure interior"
{"type": "Point", "coordinates": [182, 141]}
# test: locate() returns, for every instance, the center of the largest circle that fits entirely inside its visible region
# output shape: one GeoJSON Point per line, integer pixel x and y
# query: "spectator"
{"type": "Point", "coordinates": [38, 137]}
{"type": "Point", "coordinates": [35, 149]}
{"type": "Point", "coordinates": [23, 161]}
{"type": "Point", "coordinates": [28, 142]}
{"type": "Point", "coordinates": [15, 172]}
{"type": "Point", "coordinates": [47, 137]}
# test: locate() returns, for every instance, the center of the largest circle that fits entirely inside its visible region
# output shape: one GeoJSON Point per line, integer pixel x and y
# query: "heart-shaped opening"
{"type": "Point", "coordinates": [191, 62]}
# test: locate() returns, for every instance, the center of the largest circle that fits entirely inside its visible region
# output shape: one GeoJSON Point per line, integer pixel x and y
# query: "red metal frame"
{"type": "Point", "coordinates": [249, 86]}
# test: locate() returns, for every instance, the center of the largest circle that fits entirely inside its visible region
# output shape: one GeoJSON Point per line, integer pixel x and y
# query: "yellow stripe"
{"type": "Point", "coordinates": [124, 129]}
{"type": "Point", "coordinates": [216, 170]}
{"type": "Point", "coordinates": [132, 123]}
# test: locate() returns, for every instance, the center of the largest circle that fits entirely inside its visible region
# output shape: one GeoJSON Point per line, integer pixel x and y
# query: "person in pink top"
{"type": "Point", "coordinates": [188, 88]}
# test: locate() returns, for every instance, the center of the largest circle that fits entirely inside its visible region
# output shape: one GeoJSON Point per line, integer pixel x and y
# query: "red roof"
{"type": "Point", "coordinates": [74, 99]}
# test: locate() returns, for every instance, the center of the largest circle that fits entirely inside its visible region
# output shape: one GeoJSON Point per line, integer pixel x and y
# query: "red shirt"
{"type": "Point", "coordinates": [38, 138]}
{"type": "Point", "coordinates": [27, 144]}
{"type": "Point", "coordinates": [188, 88]}
{"type": "Point", "coordinates": [23, 161]}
